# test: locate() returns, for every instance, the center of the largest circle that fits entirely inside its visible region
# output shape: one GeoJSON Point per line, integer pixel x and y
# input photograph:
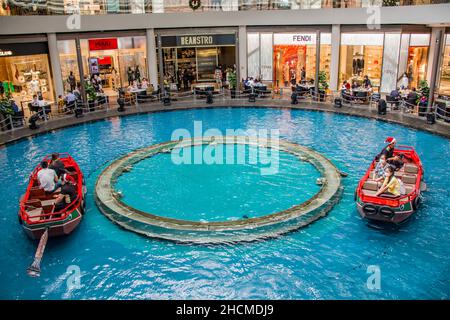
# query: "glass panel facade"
{"type": "Point", "coordinates": [444, 82]}
{"type": "Point", "coordinates": [360, 55]}
{"type": "Point", "coordinates": [69, 64]}
{"type": "Point", "coordinates": [96, 7]}
{"type": "Point", "coordinates": [294, 58]}
{"type": "Point", "coordinates": [118, 66]}
{"type": "Point", "coordinates": [24, 76]}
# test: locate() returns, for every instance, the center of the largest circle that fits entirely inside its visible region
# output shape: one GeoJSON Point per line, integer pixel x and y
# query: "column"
{"type": "Point", "coordinates": [242, 51]}
{"type": "Point", "coordinates": [390, 62]}
{"type": "Point", "coordinates": [316, 78]}
{"type": "Point", "coordinates": [55, 64]}
{"type": "Point", "coordinates": [334, 65]}
{"type": "Point", "coordinates": [152, 61]}
{"type": "Point", "coordinates": [436, 47]}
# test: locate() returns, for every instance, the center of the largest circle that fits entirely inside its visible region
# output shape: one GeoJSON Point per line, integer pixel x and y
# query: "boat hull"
{"type": "Point", "coordinates": [55, 229]}
{"type": "Point", "coordinates": [380, 213]}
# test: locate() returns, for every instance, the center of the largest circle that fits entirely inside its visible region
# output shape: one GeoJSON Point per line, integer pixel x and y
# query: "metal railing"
{"type": "Point", "coordinates": [78, 108]}
{"type": "Point", "coordinates": [96, 7]}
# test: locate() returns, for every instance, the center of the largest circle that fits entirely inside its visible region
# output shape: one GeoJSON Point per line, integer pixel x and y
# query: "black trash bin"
{"type": "Point", "coordinates": [382, 107]}
{"type": "Point", "coordinates": [338, 103]}
{"type": "Point", "coordinates": [422, 109]}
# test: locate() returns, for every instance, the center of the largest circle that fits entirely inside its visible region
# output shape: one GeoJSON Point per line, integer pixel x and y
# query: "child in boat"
{"type": "Point", "coordinates": [379, 173]}
{"type": "Point", "coordinates": [391, 185]}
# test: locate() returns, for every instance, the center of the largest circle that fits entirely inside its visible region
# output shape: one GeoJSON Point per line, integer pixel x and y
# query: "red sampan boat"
{"type": "Point", "coordinates": [386, 208]}
{"type": "Point", "coordinates": [37, 214]}
{"type": "Point", "coordinates": [36, 207]}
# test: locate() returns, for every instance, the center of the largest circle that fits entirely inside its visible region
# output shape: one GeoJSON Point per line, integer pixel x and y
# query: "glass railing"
{"type": "Point", "coordinates": [96, 7]}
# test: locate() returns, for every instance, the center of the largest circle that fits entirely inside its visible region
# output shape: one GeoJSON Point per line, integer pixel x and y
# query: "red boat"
{"type": "Point", "coordinates": [37, 215]}
{"type": "Point", "coordinates": [386, 208]}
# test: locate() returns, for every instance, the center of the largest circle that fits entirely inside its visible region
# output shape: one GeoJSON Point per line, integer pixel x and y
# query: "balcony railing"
{"type": "Point", "coordinates": [97, 7]}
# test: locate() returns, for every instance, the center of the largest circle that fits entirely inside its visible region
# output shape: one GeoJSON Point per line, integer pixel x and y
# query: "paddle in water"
{"type": "Point", "coordinates": [35, 269]}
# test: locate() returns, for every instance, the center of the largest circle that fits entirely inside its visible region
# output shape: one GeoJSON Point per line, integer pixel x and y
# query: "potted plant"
{"type": "Point", "coordinates": [233, 83]}
{"type": "Point", "coordinates": [323, 85]}
{"type": "Point", "coordinates": [91, 94]}
{"type": "Point", "coordinates": [422, 101]}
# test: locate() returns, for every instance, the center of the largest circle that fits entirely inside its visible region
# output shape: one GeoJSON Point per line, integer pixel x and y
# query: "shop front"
{"type": "Point", "coordinates": [117, 60]}
{"type": "Point", "coordinates": [361, 54]}
{"type": "Point", "coordinates": [417, 59]}
{"type": "Point", "coordinates": [295, 57]}
{"type": "Point", "coordinates": [194, 59]}
{"type": "Point", "coordinates": [284, 58]}
{"type": "Point", "coordinates": [25, 72]}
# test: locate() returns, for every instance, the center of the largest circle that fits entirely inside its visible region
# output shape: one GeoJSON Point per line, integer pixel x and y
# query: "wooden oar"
{"type": "Point", "coordinates": [35, 269]}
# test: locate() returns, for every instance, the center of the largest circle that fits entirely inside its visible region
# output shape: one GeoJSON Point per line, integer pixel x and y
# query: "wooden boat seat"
{"type": "Point", "coordinates": [409, 179]}
{"type": "Point", "coordinates": [398, 173]}
{"type": "Point", "coordinates": [370, 193]}
{"type": "Point", "coordinates": [37, 192]}
{"type": "Point", "coordinates": [411, 168]}
{"type": "Point", "coordinates": [33, 203]}
{"type": "Point", "coordinates": [33, 214]}
{"type": "Point", "coordinates": [370, 185]}
{"type": "Point", "coordinates": [409, 188]}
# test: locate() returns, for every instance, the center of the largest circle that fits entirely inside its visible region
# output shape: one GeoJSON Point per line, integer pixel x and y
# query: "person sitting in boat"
{"type": "Point", "coordinates": [397, 162]}
{"type": "Point", "coordinates": [57, 165]}
{"type": "Point", "coordinates": [380, 169]}
{"type": "Point", "coordinates": [48, 179]}
{"type": "Point", "coordinates": [391, 185]}
{"type": "Point", "coordinates": [68, 193]}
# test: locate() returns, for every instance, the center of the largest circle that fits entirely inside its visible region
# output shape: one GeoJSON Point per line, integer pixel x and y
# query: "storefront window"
{"type": "Point", "coordinates": [417, 59]}
{"type": "Point", "coordinates": [444, 82]}
{"type": "Point", "coordinates": [69, 64]}
{"type": "Point", "coordinates": [118, 61]}
{"type": "Point", "coordinates": [361, 55]}
{"type": "Point", "coordinates": [294, 58]}
{"type": "Point", "coordinates": [23, 76]}
{"type": "Point", "coordinates": [188, 60]}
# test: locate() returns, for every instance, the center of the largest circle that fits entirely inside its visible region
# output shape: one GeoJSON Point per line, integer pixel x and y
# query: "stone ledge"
{"type": "Point", "coordinates": [252, 229]}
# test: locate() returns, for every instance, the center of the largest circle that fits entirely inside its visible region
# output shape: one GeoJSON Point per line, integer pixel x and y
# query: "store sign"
{"type": "Point", "coordinates": [294, 39]}
{"type": "Point", "coordinates": [198, 40]}
{"type": "Point", "coordinates": [103, 44]}
{"type": "Point", "coordinates": [23, 49]}
{"type": "Point", "coordinates": [5, 53]}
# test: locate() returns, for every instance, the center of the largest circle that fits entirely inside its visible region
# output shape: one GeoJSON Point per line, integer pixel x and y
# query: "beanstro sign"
{"type": "Point", "coordinates": [102, 44]}
{"type": "Point", "coordinates": [196, 40]}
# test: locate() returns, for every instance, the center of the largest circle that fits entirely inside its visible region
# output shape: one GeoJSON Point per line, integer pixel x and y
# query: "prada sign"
{"type": "Point", "coordinates": [198, 40]}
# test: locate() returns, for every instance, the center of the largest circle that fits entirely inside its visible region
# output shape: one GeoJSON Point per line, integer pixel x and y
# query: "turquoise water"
{"type": "Point", "coordinates": [231, 189]}
{"type": "Point", "coordinates": [326, 260]}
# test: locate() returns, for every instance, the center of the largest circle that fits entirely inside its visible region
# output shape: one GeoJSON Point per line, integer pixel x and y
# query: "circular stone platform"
{"type": "Point", "coordinates": [272, 225]}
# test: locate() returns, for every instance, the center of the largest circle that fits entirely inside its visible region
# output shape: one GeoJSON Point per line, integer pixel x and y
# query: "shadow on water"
{"type": "Point", "coordinates": [390, 228]}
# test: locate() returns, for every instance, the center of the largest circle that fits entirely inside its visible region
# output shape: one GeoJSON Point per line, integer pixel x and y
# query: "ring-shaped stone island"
{"type": "Point", "coordinates": [267, 226]}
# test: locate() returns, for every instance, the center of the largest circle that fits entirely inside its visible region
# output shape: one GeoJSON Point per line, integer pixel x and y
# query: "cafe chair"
{"type": "Point", "coordinates": [392, 102]}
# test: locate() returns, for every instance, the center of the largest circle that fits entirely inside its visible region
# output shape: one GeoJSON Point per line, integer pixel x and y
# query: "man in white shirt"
{"type": "Point", "coordinates": [70, 97]}
{"type": "Point", "coordinates": [48, 179]}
